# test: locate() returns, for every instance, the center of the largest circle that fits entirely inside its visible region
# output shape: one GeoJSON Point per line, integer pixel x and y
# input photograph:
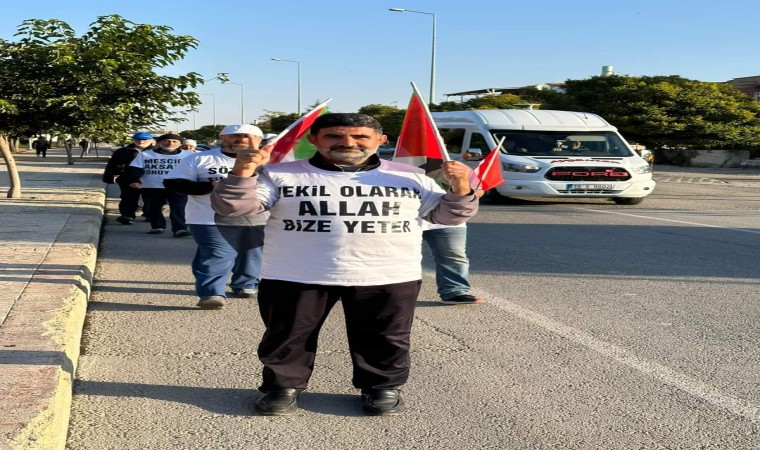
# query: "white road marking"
{"type": "Point", "coordinates": [669, 220]}
{"type": "Point", "coordinates": [665, 374]}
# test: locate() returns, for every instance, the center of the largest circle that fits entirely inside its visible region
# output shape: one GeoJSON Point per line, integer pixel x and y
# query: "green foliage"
{"type": "Point", "coordinates": [280, 122]}
{"type": "Point", "coordinates": [204, 134]}
{"type": "Point", "coordinates": [103, 83]}
{"type": "Point", "coordinates": [670, 111]}
{"type": "Point", "coordinates": [390, 116]}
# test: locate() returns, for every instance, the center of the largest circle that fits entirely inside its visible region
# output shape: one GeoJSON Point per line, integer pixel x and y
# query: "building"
{"type": "Point", "coordinates": [505, 90]}
{"type": "Point", "coordinates": [748, 85]}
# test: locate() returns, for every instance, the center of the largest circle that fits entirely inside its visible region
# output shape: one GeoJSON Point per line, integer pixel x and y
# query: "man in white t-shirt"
{"type": "Point", "coordinates": [344, 225]}
{"type": "Point", "coordinates": [147, 172]}
{"type": "Point", "coordinates": [226, 245]}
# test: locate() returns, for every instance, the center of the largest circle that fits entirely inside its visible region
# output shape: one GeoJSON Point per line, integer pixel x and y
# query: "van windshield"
{"type": "Point", "coordinates": [562, 143]}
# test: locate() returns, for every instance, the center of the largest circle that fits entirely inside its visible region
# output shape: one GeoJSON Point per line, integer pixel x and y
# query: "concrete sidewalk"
{"type": "Point", "coordinates": [48, 249]}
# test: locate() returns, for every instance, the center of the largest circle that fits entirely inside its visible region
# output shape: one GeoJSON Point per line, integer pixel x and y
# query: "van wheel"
{"type": "Point", "coordinates": [493, 197]}
{"type": "Point", "coordinates": [628, 200]}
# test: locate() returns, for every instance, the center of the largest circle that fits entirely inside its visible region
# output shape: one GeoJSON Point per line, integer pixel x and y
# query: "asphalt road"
{"type": "Point", "coordinates": [606, 327]}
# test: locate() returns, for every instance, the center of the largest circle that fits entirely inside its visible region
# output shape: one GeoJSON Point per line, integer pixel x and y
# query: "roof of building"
{"type": "Point", "coordinates": [505, 90]}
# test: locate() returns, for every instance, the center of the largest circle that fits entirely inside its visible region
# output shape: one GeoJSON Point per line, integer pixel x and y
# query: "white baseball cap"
{"type": "Point", "coordinates": [189, 142]}
{"type": "Point", "coordinates": [242, 129]}
{"type": "Point", "coordinates": [270, 135]}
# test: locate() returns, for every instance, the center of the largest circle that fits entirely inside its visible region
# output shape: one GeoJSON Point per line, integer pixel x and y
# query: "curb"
{"type": "Point", "coordinates": [40, 338]}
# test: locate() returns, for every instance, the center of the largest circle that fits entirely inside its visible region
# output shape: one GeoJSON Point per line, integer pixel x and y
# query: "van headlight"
{"type": "Point", "coordinates": [509, 167]}
{"type": "Point", "coordinates": [642, 169]}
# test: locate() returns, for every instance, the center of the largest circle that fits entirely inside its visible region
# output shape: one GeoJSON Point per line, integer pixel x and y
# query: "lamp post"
{"type": "Point", "coordinates": [213, 106]}
{"type": "Point", "coordinates": [298, 63]}
{"type": "Point", "coordinates": [242, 107]}
{"type": "Point", "coordinates": [431, 100]}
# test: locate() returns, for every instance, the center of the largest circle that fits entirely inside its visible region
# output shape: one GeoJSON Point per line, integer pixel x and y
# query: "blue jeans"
{"type": "Point", "coordinates": [225, 250]}
{"type": "Point", "coordinates": [452, 268]}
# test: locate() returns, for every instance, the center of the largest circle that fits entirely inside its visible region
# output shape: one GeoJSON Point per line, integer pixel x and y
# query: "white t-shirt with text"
{"type": "Point", "coordinates": [156, 166]}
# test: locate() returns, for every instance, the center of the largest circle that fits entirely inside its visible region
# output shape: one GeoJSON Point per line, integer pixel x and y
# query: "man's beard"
{"type": "Point", "coordinates": [234, 148]}
{"type": "Point", "coordinates": [338, 157]}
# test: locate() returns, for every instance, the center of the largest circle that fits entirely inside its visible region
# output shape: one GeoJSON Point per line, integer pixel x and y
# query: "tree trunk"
{"type": "Point", "coordinates": [10, 163]}
{"type": "Point", "coordinates": [69, 155]}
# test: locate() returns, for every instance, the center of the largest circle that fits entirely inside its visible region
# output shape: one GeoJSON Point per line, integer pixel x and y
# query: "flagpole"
{"type": "Point", "coordinates": [300, 119]}
{"type": "Point", "coordinates": [490, 162]}
{"type": "Point", "coordinates": [442, 144]}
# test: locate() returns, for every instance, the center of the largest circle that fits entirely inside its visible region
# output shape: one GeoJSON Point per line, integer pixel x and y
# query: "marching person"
{"type": "Point", "coordinates": [344, 225]}
{"type": "Point", "coordinates": [115, 168]}
{"type": "Point", "coordinates": [189, 144]}
{"type": "Point", "coordinates": [147, 172]}
{"type": "Point", "coordinates": [41, 146]}
{"type": "Point", "coordinates": [226, 245]}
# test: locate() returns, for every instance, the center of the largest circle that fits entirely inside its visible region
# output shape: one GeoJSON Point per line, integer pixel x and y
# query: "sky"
{"type": "Point", "coordinates": [357, 52]}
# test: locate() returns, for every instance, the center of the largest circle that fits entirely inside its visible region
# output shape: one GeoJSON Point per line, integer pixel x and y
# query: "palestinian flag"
{"type": "Point", "coordinates": [291, 144]}
{"type": "Point", "coordinates": [419, 143]}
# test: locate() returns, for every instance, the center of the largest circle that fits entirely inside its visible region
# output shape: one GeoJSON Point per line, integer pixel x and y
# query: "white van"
{"type": "Point", "coordinates": [550, 153]}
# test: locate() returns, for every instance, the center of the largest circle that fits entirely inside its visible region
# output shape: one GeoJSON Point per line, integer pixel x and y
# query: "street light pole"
{"type": "Point", "coordinates": [213, 106]}
{"type": "Point", "coordinates": [431, 100]}
{"type": "Point", "coordinates": [242, 107]}
{"type": "Point", "coordinates": [298, 63]}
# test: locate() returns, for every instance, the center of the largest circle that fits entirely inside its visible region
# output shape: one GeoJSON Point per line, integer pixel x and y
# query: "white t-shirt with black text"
{"type": "Point", "coordinates": [211, 165]}
{"type": "Point", "coordinates": [156, 166]}
{"type": "Point", "coordinates": [345, 228]}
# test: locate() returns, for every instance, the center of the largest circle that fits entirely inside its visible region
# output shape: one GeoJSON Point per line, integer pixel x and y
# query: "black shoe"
{"type": "Point", "coordinates": [124, 220]}
{"type": "Point", "coordinates": [280, 402]}
{"type": "Point", "coordinates": [465, 299]}
{"type": "Point", "coordinates": [182, 233]}
{"type": "Point", "coordinates": [382, 402]}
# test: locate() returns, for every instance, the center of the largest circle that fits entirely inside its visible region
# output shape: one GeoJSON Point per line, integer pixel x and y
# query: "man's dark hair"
{"type": "Point", "coordinates": [345, 120]}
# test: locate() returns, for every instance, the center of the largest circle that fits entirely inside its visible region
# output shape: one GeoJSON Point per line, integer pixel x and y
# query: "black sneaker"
{"type": "Point", "coordinates": [281, 402]}
{"type": "Point", "coordinates": [465, 299]}
{"type": "Point", "coordinates": [124, 220]}
{"type": "Point", "coordinates": [182, 233]}
{"type": "Point", "coordinates": [382, 402]}
{"type": "Point", "coordinates": [156, 231]}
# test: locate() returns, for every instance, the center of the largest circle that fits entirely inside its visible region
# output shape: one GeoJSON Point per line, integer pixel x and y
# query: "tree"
{"type": "Point", "coordinates": [206, 133]}
{"type": "Point", "coordinates": [391, 117]}
{"type": "Point", "coordinates": [669, 111]}
{"type": "Point", "coordinates": [102, 84]}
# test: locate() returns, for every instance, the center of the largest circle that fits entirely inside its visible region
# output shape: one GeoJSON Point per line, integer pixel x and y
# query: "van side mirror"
{"type": "Point", "coordinates": [473, 154]}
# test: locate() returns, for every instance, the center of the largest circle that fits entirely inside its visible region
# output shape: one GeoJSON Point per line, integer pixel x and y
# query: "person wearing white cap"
{"type": "Point", "coordinates": [226, 245]}
{"type": "Point", "coordinates": [189, 144]}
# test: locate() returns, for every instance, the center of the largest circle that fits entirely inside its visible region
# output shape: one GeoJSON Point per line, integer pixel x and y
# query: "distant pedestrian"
{"type": "Point", "coordinates": [85, 144]}
{"type": "Point", "coordinates": [189, 144]}
{"type": "Point", "coordinates": [41, 146]}
{"type": "Point", "coordinates": [114, 172]}
{"type": "Point", "coordinates": [147, 172]}
{"type": "Point", "coordinates": [226, 245]}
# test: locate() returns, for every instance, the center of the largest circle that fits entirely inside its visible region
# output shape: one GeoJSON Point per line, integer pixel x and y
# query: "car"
{"type": "Point", "coordinates": [552, 154]}
{"type": "Point", "coordinates": [386, 152]}
{"type": "Point", "coordinates": [202, 147]}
